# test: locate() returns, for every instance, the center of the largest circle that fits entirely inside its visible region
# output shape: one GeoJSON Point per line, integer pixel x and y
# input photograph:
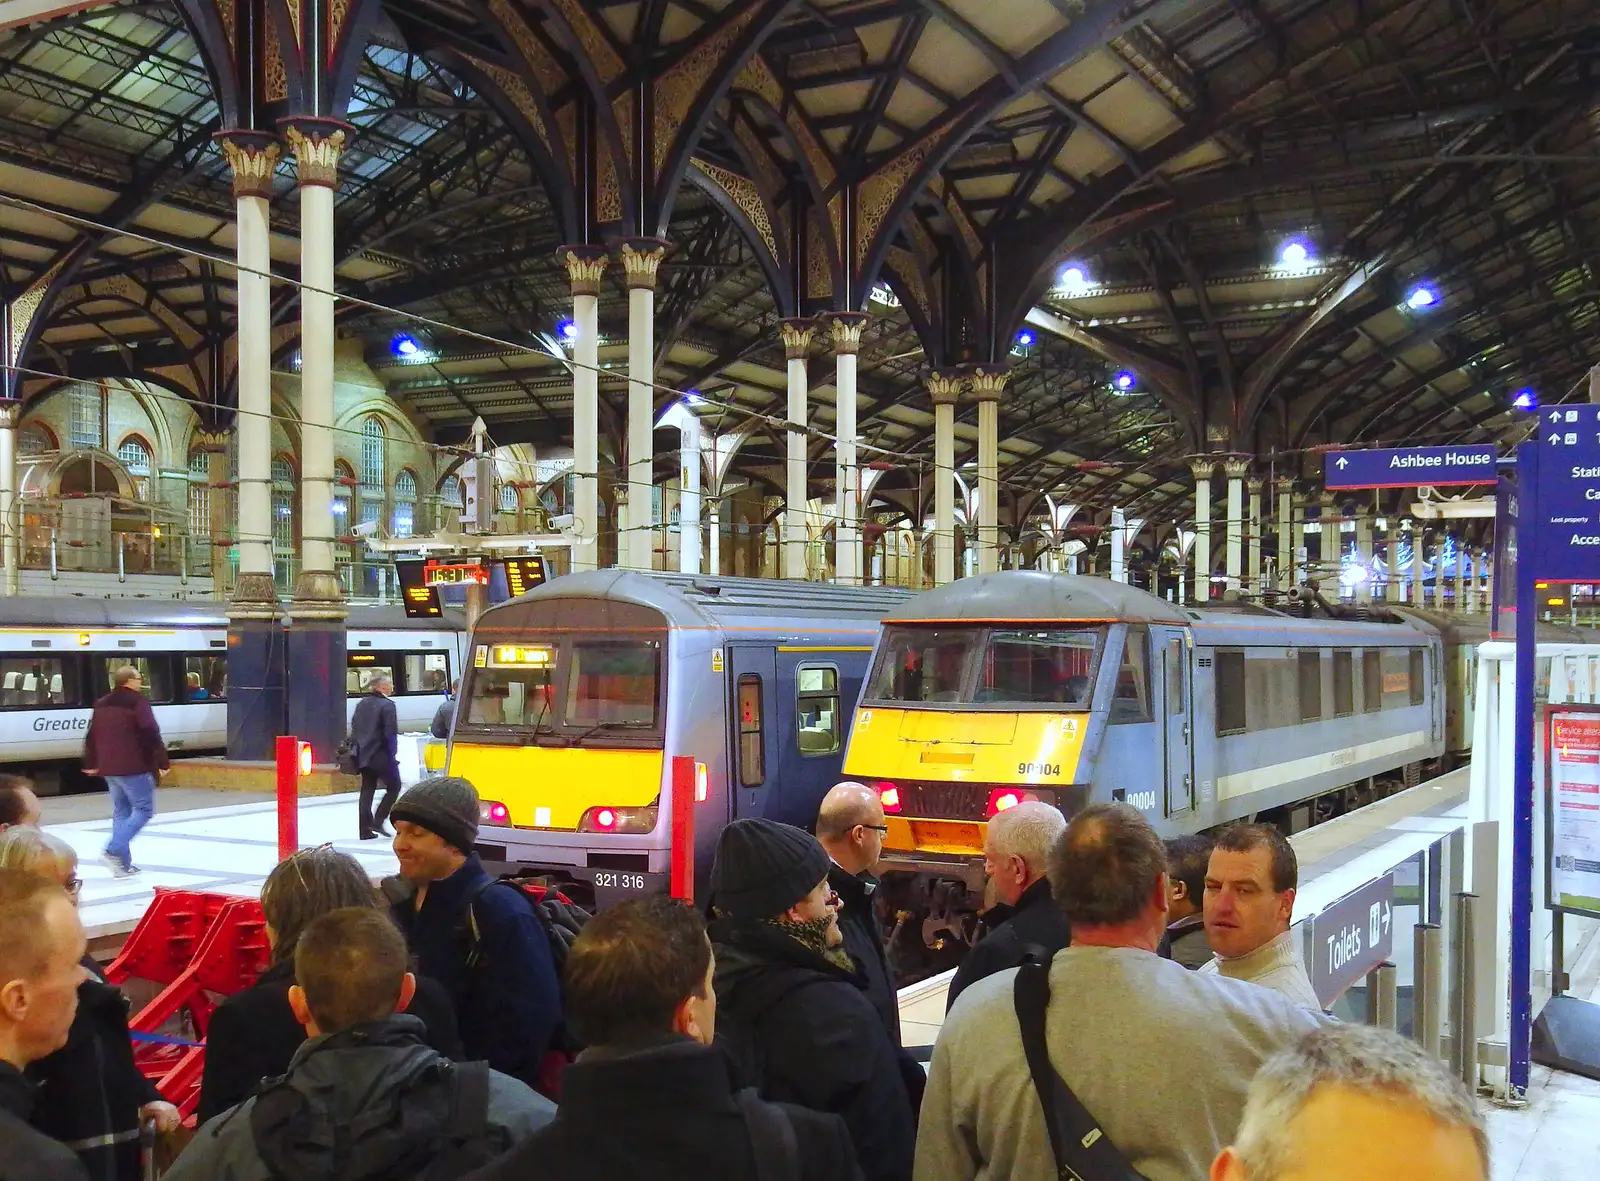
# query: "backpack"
{"type": "Point", "coordinates": [435, 1129]}
{"type": "Point", "coordinates": [772, 1138]}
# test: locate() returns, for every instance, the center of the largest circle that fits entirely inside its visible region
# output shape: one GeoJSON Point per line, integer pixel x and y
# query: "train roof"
{"type": "Point", "coordinates": [1035, 595]}
{"type": "Point", "coordinates": [43, 611]}
{"type": "Point", "coordinates": [698, 600]}
{"type": "Point", "coordinates": [1474, 629]}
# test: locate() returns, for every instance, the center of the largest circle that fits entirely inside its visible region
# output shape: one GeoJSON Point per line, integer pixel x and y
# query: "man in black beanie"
{"type": "Point", "coordinates": [791, 1012]}
{"type": "Point", "coordinates": [482, 941]}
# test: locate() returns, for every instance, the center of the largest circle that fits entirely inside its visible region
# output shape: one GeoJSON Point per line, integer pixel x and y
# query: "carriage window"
{"type": "Point", "coordinates": [1310, 686]}
{"type": "Point", "coordinates": [363, 669]}
{"type": "Point", "coordinates": [205, 678]}
{"type": "Point", "coordinates": [154, 672]}
{"type": "Point", "coordinates": [1396, 680]}
{"type": "Point", "coordinates": [1176, 697]}
{"type": "Point", "coordinates": [512, 685]}
{"type": "Point", "coordinates": [816, 711]}
{"type": "Point", "coordinates": [1344, 684]}
{"type": "Point", "coordinates": [1418, 676]}
{"type": "Point", "coordinates": [751, 771]}
{"type": "Point", "coordinates": [27, 682]}
{"type": "Point", "coordinates": [1230, 695]}
{"type": "Point", "coordinates": [427, 672]}
{"type": "Point", "coordinates": [613, 684]}
{"type": "Point", "coordinates": [1131, 702]}
{"type": "Point", "coordinates": [1371, 681]}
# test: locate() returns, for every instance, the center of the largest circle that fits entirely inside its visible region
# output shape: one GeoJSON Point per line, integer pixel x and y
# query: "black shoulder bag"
{"type": "Point", "coordinates": [1082, 1151]}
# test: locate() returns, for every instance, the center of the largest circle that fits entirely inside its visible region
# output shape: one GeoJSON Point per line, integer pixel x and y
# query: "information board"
{"type": "Point", "coordinates": [523, 573]}
{"type": "Point", "coordinates": [1352, 937]}
{"type": "Point", "coordinates": [1572, 808]}
{"type": "Point", "coordinates": [456, 571]}
{"type": "Point", "coordinates": [420, 600]}
{"type": "Point", "coordinates": [1408, 467]}
{"type": "Point", "coordinates": [1565, 546]}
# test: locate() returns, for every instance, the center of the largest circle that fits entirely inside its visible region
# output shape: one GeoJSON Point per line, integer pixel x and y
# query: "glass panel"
{"type": "Point", "coordinates": [817, 680]}
{"type": "Point", "coordinates": [924, 663]}
{"type": "Point", "coordinates": [751, 771]}
{"type": "Point", "coordinates": [404, 517]}
{"type": "Point", "coordinates": [450, 491]}
{"type": "Point", "coordinates": [34, 439]}
{"type": "Point", "coordinates": [83, 417]}
{"type": "Point", "coordinates": [135, 457]}
{"type": "Point", "coordinates": [154, 671]}
{"type": "Point", "coordinates": [508, 499]}
{"type": "Point", "coordinates": [372, 452]}
{"type": "Point", "coordinates": [1176, 697]}
{"type": "Point", "coordinates": [614, 684]}
{"type": "Point", "coordinates": [1231, 716]}
{"type": "Point", "coordinates": [1371, 681]}
{"type": "Point", "coordinates": [427, 672]}
{"type": "Point", "coordinates": [1132, 700]}
{"type": "Point", "coordinates": [817, 711]}
{"type": "Point", "coordinates": [27, 682]}
{"type": "Point", "coordinates": [1344, 684]}
{"type": "Point", "coordinates": [283, 519]}
{"type": "Point", "coordinates": [205, 678]}
{"type": "Point", "coordinates": [405, 485]}
{"type": "Point", "coordinates": [1310, 686]}
{"type": "Point", "coordinates": [362, 668]}
{"type": "Point", "coordinates": [513, 685]}
{"type": "Point", "coordinates": [1051, 667]}
{"type": "Point", "coordinates": [1418, 675]}
{"type": "Point", "coordinates": [1396, 678]}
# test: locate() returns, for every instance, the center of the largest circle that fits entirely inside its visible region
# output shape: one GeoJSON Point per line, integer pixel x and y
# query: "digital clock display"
{"type": "Point", "coordinates": [455, 573]}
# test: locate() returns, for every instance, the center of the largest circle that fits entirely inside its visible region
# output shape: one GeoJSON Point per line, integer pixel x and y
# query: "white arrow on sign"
{"type": "Point", "coordinates": [1553, 439]}
{"type": "Point", "coordinates": [1388, 913]}
{"type": "Point", "coordinates": [1344, 463]}
{"type": "Point", "coordinates": [1555, 416]}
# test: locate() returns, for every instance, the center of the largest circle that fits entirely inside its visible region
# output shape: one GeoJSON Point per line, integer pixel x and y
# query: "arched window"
{"type": "Point", "coordinates": [341, 498]}
{"type": "Point", "coordinates": [283, 484]}
{"type": "Point", "coordinates": [510, 501]}
{"type": "Point", "coordinates": [83, 417]}
{"type": "Point", "coordinates": [134, 453]}
{"type": "Point", "coordinates": [372, 451]}
{"type": "Point", "coordinates": [405, 503]}
{"type": "Point", "coordinates": [199, 493]}
{"type": "Point", "coordinates": [450, 491]}
{"type": "Point", "coordinates": [35, 439]}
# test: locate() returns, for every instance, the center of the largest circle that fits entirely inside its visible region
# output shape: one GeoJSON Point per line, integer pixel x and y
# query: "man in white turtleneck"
{"type": "Point", "coordinates": [1249, 905]}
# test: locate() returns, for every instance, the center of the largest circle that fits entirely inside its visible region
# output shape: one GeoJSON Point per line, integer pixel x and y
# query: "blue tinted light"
{"type": "Point", "coordinates": [1421, 296]}
{"type": "Point", "coordinates": [1526, 399]}
{"type": "Point", "coordinates": [1025, 338]}
{"type": "Point", "coordinates": [405, 346]}
{"type": "Point", "coordinates": [1295, 253]}
{"type": "Point", "coordinates": [568, 329]}
{"type": "Point", "coordinates": [1125, 379]}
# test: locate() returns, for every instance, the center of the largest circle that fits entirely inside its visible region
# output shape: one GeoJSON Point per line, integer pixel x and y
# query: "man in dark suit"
{"type": "Point", "coordinates": [375, 747]}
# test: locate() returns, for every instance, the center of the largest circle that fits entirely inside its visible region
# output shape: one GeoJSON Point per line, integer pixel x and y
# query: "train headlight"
{"type": "Point", "coordinates": [888, 795]}
{"type": "Point", "coordinates": [493, 812]}
{"type": "Point", "coordinates": [619, 820]}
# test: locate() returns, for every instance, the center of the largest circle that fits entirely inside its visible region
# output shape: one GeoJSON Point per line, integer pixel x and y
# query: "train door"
{"type": "Point", "coordinates": [808, 747]}
{"type": "Point", "coordinates": [754, 722]}
{"type": "Point", "coordinates": [1178, 734]}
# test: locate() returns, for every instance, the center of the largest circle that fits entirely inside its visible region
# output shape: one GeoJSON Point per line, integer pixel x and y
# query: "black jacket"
{"type": "Point", "coordinates": [863, 941]}
{"type": "Point", "coordinates": [665, 1111]}
{"type": "Point", "coordinates": [253, 1035]}
{"type": "Point", "coordinates": [1036, 920]}
{"type": "Point", "coordinates": [374, 733]}
{"type": "Point", "coordinates": [1186, 940]}
{"type": "Point", "coordinates": [442, 717]}
{"type": "Point", "coordinates": [89, 1091]}
{"type": "Point", "coordinates": [25, 1154]}
{"type": "Point", "coordinates": [803, 1032]}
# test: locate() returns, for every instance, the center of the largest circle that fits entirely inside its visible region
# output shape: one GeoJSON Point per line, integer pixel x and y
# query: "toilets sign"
{"type": "Point", "coordinates": [1409, 467]}
{"type": "Point", "coordinates": [1352, 937]}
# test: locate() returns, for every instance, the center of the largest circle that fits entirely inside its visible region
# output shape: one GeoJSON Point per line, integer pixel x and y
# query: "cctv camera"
{"type": "Point", "coordinates": [365, 529]}
{"type": "Point", "coordinates": [563, 522]}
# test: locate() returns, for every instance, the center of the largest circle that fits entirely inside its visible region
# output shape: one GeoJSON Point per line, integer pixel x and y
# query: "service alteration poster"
{"type": "Point", "coordinates": [1574, 802]}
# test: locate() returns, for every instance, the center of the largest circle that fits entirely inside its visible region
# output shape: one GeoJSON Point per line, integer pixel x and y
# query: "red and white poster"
{"type": "Point", "coordinates": [1574, 809]}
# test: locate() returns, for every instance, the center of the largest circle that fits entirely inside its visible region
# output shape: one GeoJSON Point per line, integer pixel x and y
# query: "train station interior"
{"type": "Point", "coordinates": [351, 343]}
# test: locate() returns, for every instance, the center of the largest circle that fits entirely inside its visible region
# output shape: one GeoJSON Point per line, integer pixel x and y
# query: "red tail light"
{"type": "Point", "coordinates": [888, 795]}
{"type": "Point", "coordinates": [1003, 798]}
{"type": "Point", "coordinates": [605, 819]}
{"type": "Point", "coordinates": [493, 812]}
{"type": "Point", "coordinates": [702, 787]}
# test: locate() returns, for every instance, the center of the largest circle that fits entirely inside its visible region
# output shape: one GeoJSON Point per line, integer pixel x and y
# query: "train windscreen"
{"type": "Point", "coordinates": [991, 666]}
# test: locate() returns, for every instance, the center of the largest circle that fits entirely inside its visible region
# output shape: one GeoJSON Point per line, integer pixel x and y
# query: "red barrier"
{"type": "Point", "coordinates": [294, 761]}
{"type": "Point", "coordinates": [682, 812]}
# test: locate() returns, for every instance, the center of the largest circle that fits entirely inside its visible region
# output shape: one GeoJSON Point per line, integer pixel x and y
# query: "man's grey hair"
{"type": "Point", "coordinates": [1029, 830]}
{"type": "Point", "coordinates": [1360, 1058]}
{"type": "Point", "coordinates": [379, 679]}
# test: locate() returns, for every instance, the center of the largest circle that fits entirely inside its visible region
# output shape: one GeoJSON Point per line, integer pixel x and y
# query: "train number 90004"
{"type": "Point", "coordinates": [620, 881]}
{"type": "Point", "coordinates": [1038, 768]}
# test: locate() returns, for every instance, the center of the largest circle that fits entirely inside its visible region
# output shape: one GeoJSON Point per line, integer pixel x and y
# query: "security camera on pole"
{"type": "Point", "coordinates": [478, 518]}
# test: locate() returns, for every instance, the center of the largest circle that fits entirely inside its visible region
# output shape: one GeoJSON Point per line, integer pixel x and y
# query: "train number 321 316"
{"type": "Point", "coordinates": [1038, 768]}
{"type": "Point", "coordinates": [620, 881]}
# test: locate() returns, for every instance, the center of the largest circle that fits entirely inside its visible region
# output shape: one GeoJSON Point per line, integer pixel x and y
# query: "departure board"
{"type": "Point", "coordinates": [420, 600]}
{"type": "Point", "coordinates": [456, 571]}
{"type": "Point", "coordinates": [524, 573]}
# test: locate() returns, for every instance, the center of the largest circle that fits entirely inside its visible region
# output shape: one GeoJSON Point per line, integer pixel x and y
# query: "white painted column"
{"type": "Point", "coordinates": [1419, 551]}
{"type": "Point", "coordinates": [1119, 568]}
{"type": "Point", "coordinates": [1253, 538]}
{"type": "Point", "coordinates": [689, 494]}
{"type": "Point", "coordinates": [254, 160]}
{"type": "Point", "coordinates": [944, 387]}
{"type": "Point", "coordinates": [1286, 532]}
{"type": "Point", "coordinates": [797, 337]}
{"type": "Point", "coordinates": [641, 258]}
{"type": "Point", "coordinates": [1235, 470]}
{"type": "Point", "coordinates": [586, 266]}
{"type": "Point", "coordinates": [1364, 552]}
{"type": "Point", "coordinates": [988, 383]}
{"type": "Point", "coordinates": [846, 332]}
{"type": "Point", "coordinates": [1458, 603]}
{"type": "Point", "coordinates": [1202, 469]}
{"type": "Point", "coordinates": [10, 522]}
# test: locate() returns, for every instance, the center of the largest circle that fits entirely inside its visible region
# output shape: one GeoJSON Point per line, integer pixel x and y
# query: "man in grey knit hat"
{"type": "Point", "coordinates": [479, 939]}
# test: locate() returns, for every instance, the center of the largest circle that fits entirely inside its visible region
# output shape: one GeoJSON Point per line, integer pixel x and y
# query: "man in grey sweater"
{"type": "Point", "coordinates": [1121, 1026]}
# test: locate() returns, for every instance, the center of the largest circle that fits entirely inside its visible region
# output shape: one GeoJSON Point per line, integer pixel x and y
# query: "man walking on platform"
{"type": "Point", "coordinates": [124, 745]}
{"type": "Point", "coordinates": [375, 747]}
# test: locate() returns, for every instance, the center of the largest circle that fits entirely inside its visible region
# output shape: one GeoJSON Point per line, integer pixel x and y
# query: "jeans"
{"type": "Point", "coordinates": [133, 802]}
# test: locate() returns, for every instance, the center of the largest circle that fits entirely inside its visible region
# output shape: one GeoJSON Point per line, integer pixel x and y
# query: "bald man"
{"type": "Point", "coordinates": [1016, 853]}
{"type": "Point", "coordinates": [851, 828]}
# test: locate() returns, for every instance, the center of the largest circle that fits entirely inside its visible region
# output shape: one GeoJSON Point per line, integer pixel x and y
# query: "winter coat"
{"type": "Point", "coordinates": [254, 1034]}
{"type": "Point", "coordinates": [863, 941]}
{"type": "Point", "coordinates": [666, 1111]}
{"type": "Point", "coordinates": [347, 1076]}
{"type": "Point", "coordinates": [1035, 921]}
{"type": "Point", "coordinates": [442, 717]}
{"type": "Point", "coordinates": [123, 737]}
{"type": "Point", "coordinates": [508, 1004]}
{"type": "Point", "coordinates": [803, 1032]}
{"type": "Point", "coordinates": [89, 1091]}
{"type": "Point", "coordinates": [375, 733]}
{"type": "Point", "coordinates": [26, 1154]}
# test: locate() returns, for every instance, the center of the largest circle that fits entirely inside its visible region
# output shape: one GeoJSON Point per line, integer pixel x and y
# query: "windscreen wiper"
{"type": "Point", "coordinates": [610, 726]}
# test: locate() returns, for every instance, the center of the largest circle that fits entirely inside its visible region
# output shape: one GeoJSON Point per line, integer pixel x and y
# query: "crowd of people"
{"type": "Point", "coordinates": [439, 1025]}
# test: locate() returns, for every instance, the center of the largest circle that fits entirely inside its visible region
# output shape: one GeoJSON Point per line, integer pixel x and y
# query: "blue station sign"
{"type": "Point", "coordinates": [1565, 546]}
{"type": "Point", "coordinates": [1409, 467]}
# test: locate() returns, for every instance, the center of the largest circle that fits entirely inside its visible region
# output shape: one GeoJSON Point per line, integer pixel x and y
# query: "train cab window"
{"type": "Point", "coordinates": [1344, 684]}
{"type": "Point", "coordinates": [512, 685]}
{"type": "Point", "coordinates": [1371, 681]}
{"type": "Point", "coordinates": [427, 672]}
{"type": "Point", "coordinates": [1310, 686]}
{"type": "Point", "coordinates": [1131, 702]}
{"type": "Point", "coordinates": [1038, 667]}
{"type": "Point", "coordinates": [205, 678]}
{"type": "Point", "coordinates": [1230, 694]}
{"type": "Point", "coordinates": [1418, 676]}
{"type": "Point", "coordinates": [1177, 699]}
{"type": "Point", "coordinates": [614, 684]}
{"type": "Point", "coordinates": [155, 675]}
{"type": "Point", "coordinates": [924, 664]}
{"type": "Point", "coordinates": [816, 711]}
{"type": "Point", "coordinates": [752, 772]}
{"type": "Point", "coordinates": [363, 668]}
{"type": "Point", "coordinates": [28, 682]}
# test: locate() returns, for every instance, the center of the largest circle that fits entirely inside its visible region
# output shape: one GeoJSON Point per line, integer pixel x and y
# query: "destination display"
{"type": "Point", "coordinates": [523, 573]}
{"type": "Point", "coordinates": [1572, 808]}
{"type": "Point", "coordinates": [419, 600]}
{"type": "Point", "coordinates": [1409, 467]}
{"type": "Point", "coordinates": [1565, 547]}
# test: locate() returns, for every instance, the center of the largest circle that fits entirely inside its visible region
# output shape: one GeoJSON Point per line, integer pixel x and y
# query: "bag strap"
{"type": "Point", "coordinates": [772, 1138]}
{"type": "Point", "coordinates": [1081, 1150]}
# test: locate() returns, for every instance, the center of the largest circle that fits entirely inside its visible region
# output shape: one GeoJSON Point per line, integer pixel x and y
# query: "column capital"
{"type": "Point", "coordinates": [640, 259]}
{"type": "Point", "coordinates": [1284, 484]}
{"type": "Point", "coordinates": [1236, 469]}
{"type": "Point", "coordinates": [798, 333]}
{"type": "Point", "coordinates": [586, 266]}
{"type": "Point", "coordinates": [845, 329]}
{"type": "Point", "coordinates": [10, 413]}
{"type": "Point", "coordinates": [1254, 484]}
{"type": "Point", "coordinates": [253, 157]}
{"type": "Point", "coordinates": [988, 380]}
{"type": "Point", "coordinates": [1203, 469]}
{"type": "Point", "coordinates": [212, 440]}
{"type": "Point", "coordinates": [944, 385]}
{"type": "Point", "coordinates": [317, 145]}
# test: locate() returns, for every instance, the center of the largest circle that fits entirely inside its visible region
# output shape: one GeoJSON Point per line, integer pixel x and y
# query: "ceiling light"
{"type": "Point", "coordinates": [1421, 296]}
{"type": "Point", "coordinates": [1025, 338]}
{"type": "Point", "coordinates": [1125, 379]}
{"type": "Point", "coordinates": [405, 346]}
{"type": "Point", "coordinates": [1294, 254]}
{"type": "Point", "coordinates": [1074, 280]}
{"type": "Point", "coordinates": [1526, 399]}
{"type": "Point", "coordinates": [567, 330]}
